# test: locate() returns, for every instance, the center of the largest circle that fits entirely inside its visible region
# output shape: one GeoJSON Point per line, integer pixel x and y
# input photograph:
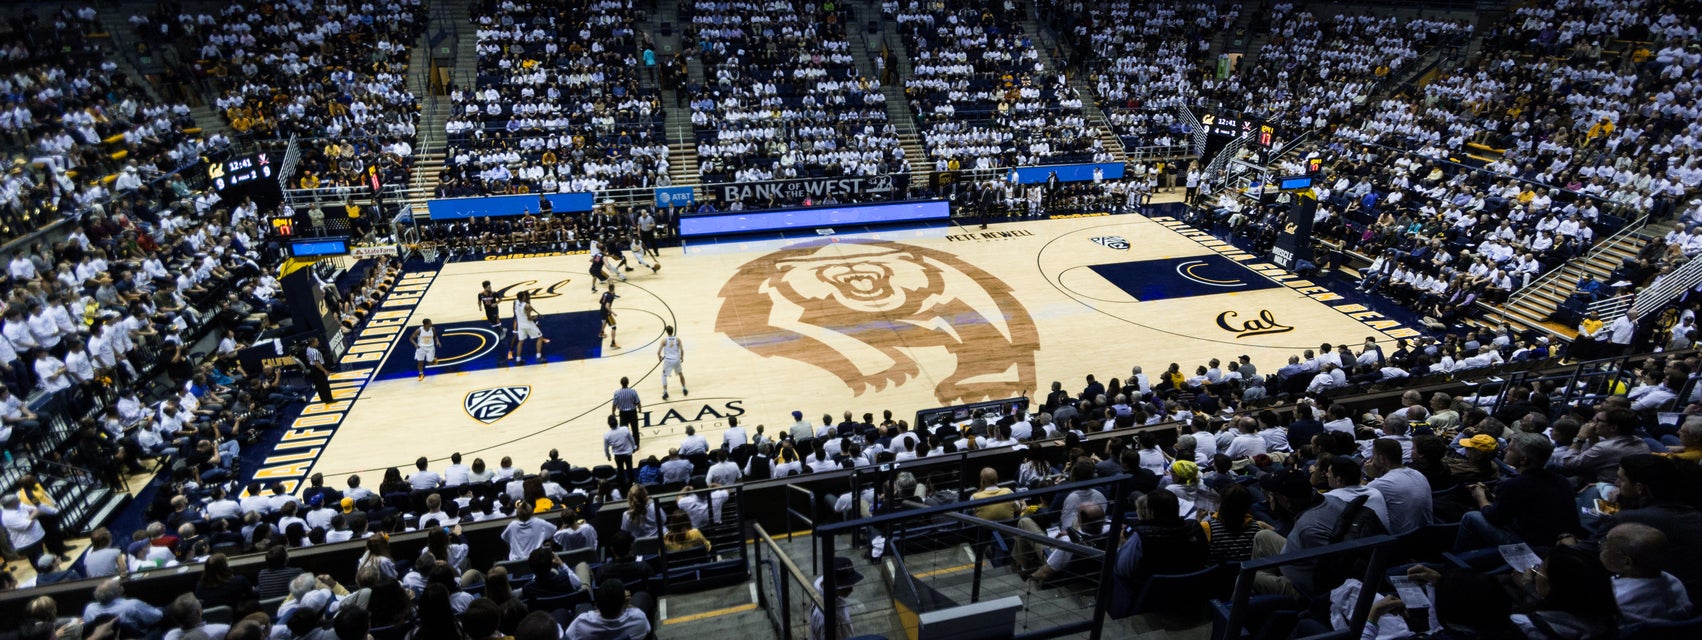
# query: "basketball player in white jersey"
{"type": "Point", "coordinates": [425, 346]}
{"type": "Point", "coordinates": [526, 328]}
{"type": "Point", "coordinates": [638, 251]}
{"type": "Point", "coordinates": [672, 354]}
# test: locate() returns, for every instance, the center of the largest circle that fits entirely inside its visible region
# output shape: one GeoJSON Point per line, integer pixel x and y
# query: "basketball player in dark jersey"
{"type": "Point", "coordinates": [606, 304]}
{"type": "Point", "coordinates": [489, 301]}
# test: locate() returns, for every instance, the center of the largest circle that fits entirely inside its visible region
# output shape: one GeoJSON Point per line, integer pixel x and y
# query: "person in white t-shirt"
{"type": "Point", "coordinates": [424, 478]}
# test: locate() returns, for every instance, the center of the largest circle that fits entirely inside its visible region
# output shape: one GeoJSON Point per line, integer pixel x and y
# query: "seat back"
{"type": "Point", "coordinates": [576, 556]}
{"type": "Point", "coordinates": [565, 601]}
{"type": "Point", "coordinates": [221, 614]}
{"type": "Point", "coordinates": [270, 605]}
{"type": "Point", "coordinates": [1182, 594]}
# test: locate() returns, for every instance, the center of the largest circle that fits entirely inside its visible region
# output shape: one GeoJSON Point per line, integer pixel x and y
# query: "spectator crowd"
{"type": "Point", "coordinates": [561, 103]}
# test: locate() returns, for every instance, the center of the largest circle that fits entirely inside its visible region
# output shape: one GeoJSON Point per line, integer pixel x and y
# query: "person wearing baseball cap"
{"type": "Point", "coordinates": [348, 505]}
{"type": "Point", "coordinates": [801, 429]}
{"type": "Point", "coordinates": [845, 576]}
{"type": "Point", "coordinates": [1314, 516]}
{"type": "Point", "coordinates": [1478, 465]}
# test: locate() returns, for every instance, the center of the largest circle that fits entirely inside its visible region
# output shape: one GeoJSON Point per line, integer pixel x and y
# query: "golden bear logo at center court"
{"type": "Point", "coordinates": [856, 309]}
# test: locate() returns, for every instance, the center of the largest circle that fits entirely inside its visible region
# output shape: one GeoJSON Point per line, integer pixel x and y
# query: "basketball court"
{"type": "Point", "coordinates": [897, 319]}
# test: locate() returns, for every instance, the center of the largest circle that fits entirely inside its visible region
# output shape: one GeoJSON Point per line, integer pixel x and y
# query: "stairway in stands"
{"type": "Point", "coordinates": [430, 140]}
{"type": "Point", "coordinates": [1227, 41]}
{"type": "Point", "coordinates": [84, 503]}
{"type": "Point", "coordinates": [682, 140]}
{"type": "Point", "coordinates": [1047, 44]}
{"type": "Point", "coordinates": [121, 38]}
{"type": "Point", "coordinates": [898, 110]}
{"type": "Point", "coordinates": [1530, 307]}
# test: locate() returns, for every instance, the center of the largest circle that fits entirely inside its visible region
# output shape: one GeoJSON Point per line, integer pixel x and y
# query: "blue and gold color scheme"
{"type": "Point", "coordinates": [1188, 277]}
{"type": "Point", "coordinates": [475, 346]}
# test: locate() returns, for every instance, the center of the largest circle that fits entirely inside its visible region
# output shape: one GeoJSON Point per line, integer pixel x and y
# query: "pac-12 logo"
{"type": "Point", "coordinates": [1112, 242]}
{"type": "Point", "coordinates": [491, 405]}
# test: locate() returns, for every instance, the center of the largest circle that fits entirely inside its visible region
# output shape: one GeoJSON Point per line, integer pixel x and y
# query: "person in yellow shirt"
{"type": "Point", "coordinates": [682, 536]}
{"type": "Point", "coordinates": [310, 180]}
{"type": "Point", "coordinates": [989, 488]}
{"type": "Point", "coordinates": [1689, 435]}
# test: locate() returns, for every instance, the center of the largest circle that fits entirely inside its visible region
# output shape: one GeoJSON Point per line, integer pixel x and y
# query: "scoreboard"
{"type": "Point", "coordinates": [1226, 126]}
{"type": "Point", "coordinates": [1264, 134]}
{"type": "Point", "coordinates": [239, 171]}
{"type": "Point", "coordinates": [253, 176]}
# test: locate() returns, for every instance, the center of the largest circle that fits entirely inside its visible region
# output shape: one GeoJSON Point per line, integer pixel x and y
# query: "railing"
{"type": "Point", "coordinates": [785, 576]}
{"type": "Point", "coordinates": [196, 180]}
{"type": "Point", "coordinates": [793, 515]}
{"type": "Point", "coordinates": [1291, 146]}
{"type": "Point", "coordinates": [1187, 116]}
{"type": "Point", "coordinates": [1158, 152]}
{"type": "Point", "coordinates": [1547, 279]}
{"type": "Point", "coordinates": [1644, 302]}
{"type": "Point", "coordinates": [1217, 174]}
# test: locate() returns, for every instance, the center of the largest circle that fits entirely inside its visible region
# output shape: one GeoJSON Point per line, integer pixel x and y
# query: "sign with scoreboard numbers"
{"type": "Point", "coordinates": [283, 226]}
{"type": "Point", "coordinates": [1226, 126]}
{"type": "Point", "coordinates": [239, 170]}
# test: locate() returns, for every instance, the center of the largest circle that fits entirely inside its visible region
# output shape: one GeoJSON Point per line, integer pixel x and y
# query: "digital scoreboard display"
{"type": "Point", "coordinates": [1225, 126]}
{"type": "Point", "coordinates": [239, 171]}
{"type": "Point", "coordinates": [319, 248]}
{"type": "Point", "coordinates": [283, 226]}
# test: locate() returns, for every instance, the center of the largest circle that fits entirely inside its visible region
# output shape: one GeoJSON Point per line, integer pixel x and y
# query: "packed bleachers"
{"type": "Point", "coordinates": [783, 97]}
{"type": "Point", "coordinates": [1313, 72]}
{"type": "Point", "coordinates": [1595, 469]}
{"type": "Point", "coordinates": [558, 105]}
{"type": "Point", "coordinates": [1146, 59]}
{"type": "Point", "coordinates": [1473, 167]}
{"type": "Point", "coordinates": [334, 75]}
{"type": "Point", "coordinates": [82, 131]}
{"type": "Point", "coordinates": [982, 95]}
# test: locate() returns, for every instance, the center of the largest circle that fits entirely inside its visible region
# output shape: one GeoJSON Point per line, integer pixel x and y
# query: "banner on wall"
{"type": "Point", "coordinates": [373, 251]}
{"type": "Point", "coordinates": [757, 193]}
{"type": "Point", "coordinates": [675, 196]}
{"type": "Point", "coordinates": [497, 206]}
{"type": "Point", "coordinates": [1066, 172]}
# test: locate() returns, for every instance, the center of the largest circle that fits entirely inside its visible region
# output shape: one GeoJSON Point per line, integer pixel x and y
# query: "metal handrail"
{"type": "Point", "coordinates": [791, 570]}
{"type": "Point", "coordinates": [1551, 275]}
{"type": "Point", "coordinates": [811, 520]}
{"type": "Point", "coordinates": [1672, 286]}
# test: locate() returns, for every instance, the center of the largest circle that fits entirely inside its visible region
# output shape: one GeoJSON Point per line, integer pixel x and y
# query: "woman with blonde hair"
{"type": "Point", "coordinates": [639, 519]}
{"type": "Point", "coordinates": [378, 555]}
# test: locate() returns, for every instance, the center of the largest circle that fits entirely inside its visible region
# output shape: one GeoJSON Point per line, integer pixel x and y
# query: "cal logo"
{"type": "Point", "coordinates": [1112, 242]}
{"type": "Point", "coordinates": [491, 405]}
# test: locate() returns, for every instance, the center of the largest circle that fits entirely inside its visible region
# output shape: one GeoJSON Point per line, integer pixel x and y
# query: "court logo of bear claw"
{"type": "Point", "coordinates": [861, 310]}
{"type": "Point", "coordinates": [491, 405]}
{"type": "Point", "coordinates": [1112, 242]}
